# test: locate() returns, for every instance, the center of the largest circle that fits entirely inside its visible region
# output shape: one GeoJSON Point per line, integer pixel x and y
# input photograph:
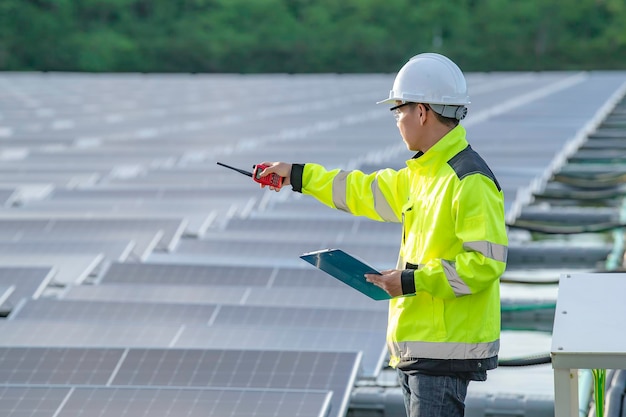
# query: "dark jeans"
{"type": "Point", "coordinates": [432, 395]}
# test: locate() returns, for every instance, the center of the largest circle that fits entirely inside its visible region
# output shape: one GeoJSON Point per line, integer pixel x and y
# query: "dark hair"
{"type": "Point", "coordinates": [448, 121]}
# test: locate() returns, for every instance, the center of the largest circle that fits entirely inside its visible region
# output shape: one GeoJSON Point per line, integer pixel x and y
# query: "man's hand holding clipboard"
{"type": "Point", "coordinates": [389, 281]}
{"type": "Point", "coordinates": [356, 273]}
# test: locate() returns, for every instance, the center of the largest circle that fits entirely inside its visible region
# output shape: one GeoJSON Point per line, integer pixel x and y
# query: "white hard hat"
{"type": "Point", "coordinates": [434, 79]}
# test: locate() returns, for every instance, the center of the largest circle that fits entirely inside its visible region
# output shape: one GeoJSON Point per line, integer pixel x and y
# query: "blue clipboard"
{"type": "Point", "coordinates": [348, 269]}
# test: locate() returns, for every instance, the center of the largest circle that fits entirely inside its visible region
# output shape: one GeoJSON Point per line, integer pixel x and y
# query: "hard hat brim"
{"type": "Point", "coordinates": [387, 101]}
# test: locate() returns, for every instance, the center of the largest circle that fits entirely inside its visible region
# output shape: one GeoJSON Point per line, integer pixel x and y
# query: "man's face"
{"type": "Point", "coordinates": [408, 122]}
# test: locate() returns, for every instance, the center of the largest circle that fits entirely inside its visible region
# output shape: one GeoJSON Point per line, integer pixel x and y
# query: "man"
{"type": "Point", "coordinates": [444, 319]}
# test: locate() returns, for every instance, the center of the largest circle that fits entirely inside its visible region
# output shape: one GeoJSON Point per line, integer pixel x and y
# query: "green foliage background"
{"type": "Point", "coordinates": [295, 36]}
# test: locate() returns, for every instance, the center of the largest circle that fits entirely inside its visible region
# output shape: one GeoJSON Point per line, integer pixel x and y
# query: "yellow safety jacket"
{"type": "Point", "coordinates": [453, 251]}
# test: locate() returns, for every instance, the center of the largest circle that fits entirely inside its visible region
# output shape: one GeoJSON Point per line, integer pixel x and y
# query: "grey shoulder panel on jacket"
{"type": "Point", "coordinates": [468, 162]}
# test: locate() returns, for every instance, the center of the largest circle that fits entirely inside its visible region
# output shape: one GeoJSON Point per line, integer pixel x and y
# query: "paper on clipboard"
{"type": "Point", "coordinates": [348, 269]}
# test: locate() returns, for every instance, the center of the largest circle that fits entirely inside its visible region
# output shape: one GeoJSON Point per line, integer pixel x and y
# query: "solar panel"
{"type": "Point", "coordinates": [107, 194]}
{"type": "Point", "coordinates": [31, 401]}
{"type": "Point", "coordinates": [144, 241]}
{"type": "Point", "coordinates": [103, 311]}
{"type": "Point", "coordinates": [69, 268]}
{"type": "Point", "coordinates": [345, 297]}
{"type": "Point", "coordinates": [22, 225]}
{"type": "Point", "coordinates": [167, 402]}
{"type": "Point", "coordinates": [326, 229]}
{"type": "Point", "coordinates": [371, 342]}
{"type": "Point", "coordinates": [28, 282]}
{"type": "Point", "coordinates": [191, 175]}
{"type": "Point", "coordinates": [155, 193]}
{"type": "Point", "coordinates": [56, 179]}
{"type": "Point", "coordinates": [165, 367]}
{"type": "Point", "coordinates": [298, 208]}
{"type": "Point", "coordinates": [163, 273]}
{"type": "Point", "coordinates": [172, 228]}
{"type": "Point", "coordinates": [53, 333]}
{"type": "Point", "coordinates": [57, 366]}
{"type": "Point", "coordinates": [198, 218]}
{"type": "Point", "coordinates": [158, 293]}
{"type": "Point", "coordinates": [177, 258]}
{"type": "Point", "coordinates": [99, 161]}
{"type": "Point", "coordinates": [324, 235]}
{"type": "Point", "coordinates": [125, 142]}
{"type": "Point", "coordinates": [181, 368]}
{"type": "Point", "coordinates": [306, 227]}
{"type": "Point", "coordinates": [155, 293]}
{"type": "Point", "coordinates": [253, 252]}
{"type": "Point", "coordinates": [276, 370]}
{"type": "Point", "coordinates": [304, 277]}
{"type": "Point", "coordinates": [7, 196]}
{"type": "Point", "coordinates": [117, 250]}
{"type": "Point", "coordinates": [265, 316]}
{"type": "Point", "coordinates": [328, 297]}
{"type": "Point", "coordinates": [223, 248]}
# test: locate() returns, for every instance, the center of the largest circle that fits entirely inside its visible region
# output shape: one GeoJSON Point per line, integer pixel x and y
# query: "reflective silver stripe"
{"type": "Point", "coordinates": [458, 285]}
{"type": "Point", "coordinates": [490, 250]}
{"type": "Point", "coordinates": [381, 205]}
{"type": "Point", "coordinates": [439, 350]}
{"type": "Point", "coordinates": [400, 264]}
{"type": "Point", "coordinates": [339, 191]}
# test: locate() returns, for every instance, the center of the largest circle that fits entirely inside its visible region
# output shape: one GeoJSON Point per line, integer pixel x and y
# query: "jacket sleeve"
{"type": "Point", "coordinates": [479, 242]}
{"type": "Point", "coordinates": [378, 195]}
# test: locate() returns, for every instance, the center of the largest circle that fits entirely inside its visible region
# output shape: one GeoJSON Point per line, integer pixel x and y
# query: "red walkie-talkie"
{"type": "Point", "coordinates": [273, 180]}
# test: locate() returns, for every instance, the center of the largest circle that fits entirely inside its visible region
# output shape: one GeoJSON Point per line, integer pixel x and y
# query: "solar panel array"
{"type": "Point", "coordinates": [143, 279]}
{"type": "Point", "coordinates": [161, 402]}
{"type": "Point", "coordinates": [315, 380]}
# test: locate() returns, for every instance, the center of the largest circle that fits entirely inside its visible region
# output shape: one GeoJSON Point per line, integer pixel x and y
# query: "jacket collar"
{"type": "Point", "coordinates": [441, 152]}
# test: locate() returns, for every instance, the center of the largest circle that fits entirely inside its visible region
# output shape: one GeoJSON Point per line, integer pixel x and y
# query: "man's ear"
{"type": "Point", "coordinates": [423, 113]}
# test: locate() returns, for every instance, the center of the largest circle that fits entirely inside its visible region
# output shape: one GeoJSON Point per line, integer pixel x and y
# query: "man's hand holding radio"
{"type": "Point", "coordinates": [282, 169]}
